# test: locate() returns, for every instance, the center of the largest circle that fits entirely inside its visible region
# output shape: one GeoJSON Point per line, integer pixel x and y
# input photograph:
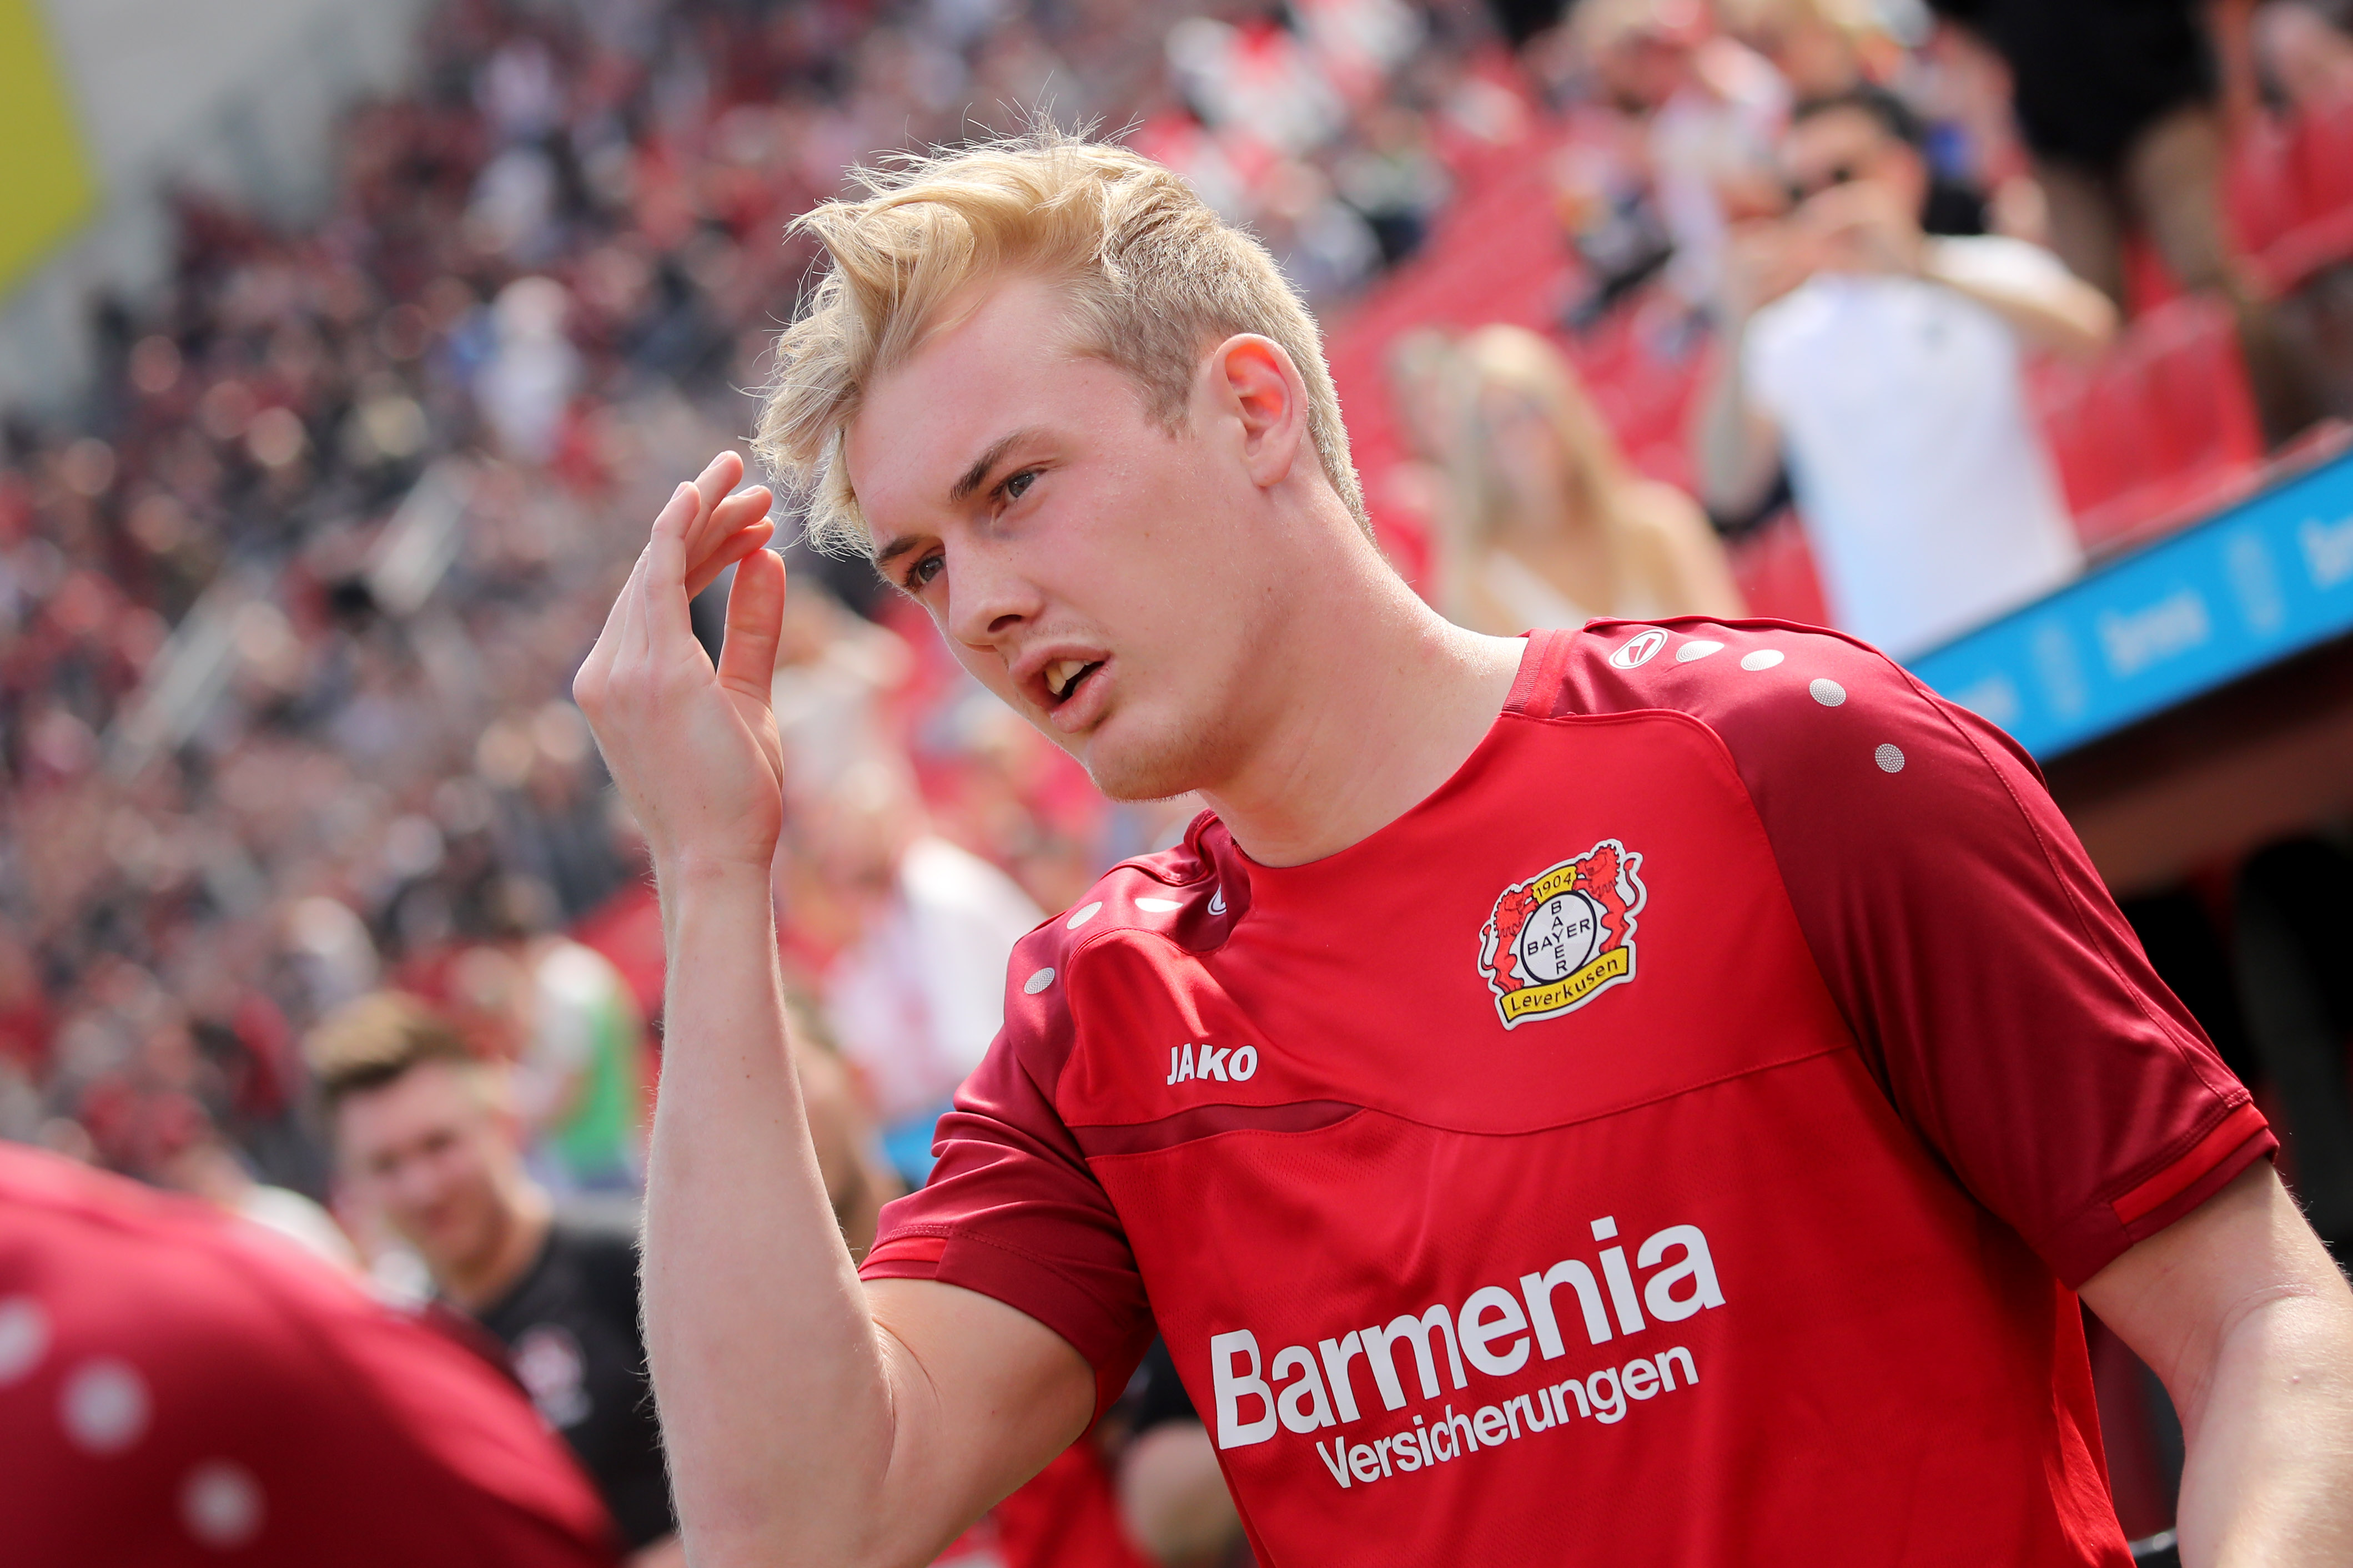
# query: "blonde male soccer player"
{"type": "Point", "coordinates": [1651, 1093]}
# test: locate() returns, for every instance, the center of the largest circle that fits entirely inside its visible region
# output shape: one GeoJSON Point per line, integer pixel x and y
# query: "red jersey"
{"type": "Point", "coordinates": [180, 1386]}
{"type": "Point", "coordinates": [1674, 1139]}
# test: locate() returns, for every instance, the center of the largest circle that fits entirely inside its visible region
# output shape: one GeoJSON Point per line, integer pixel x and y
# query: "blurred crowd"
{"type": "Point", "coordinates": [288, 609]}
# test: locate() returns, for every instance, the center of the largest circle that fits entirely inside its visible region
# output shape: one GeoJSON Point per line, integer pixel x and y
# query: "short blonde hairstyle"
{"type": "Point", "coordinates": [1153, 277]}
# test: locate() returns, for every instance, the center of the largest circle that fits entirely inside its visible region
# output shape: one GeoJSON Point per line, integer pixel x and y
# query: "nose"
{"type": "Point", "coordinates": [989, 596]}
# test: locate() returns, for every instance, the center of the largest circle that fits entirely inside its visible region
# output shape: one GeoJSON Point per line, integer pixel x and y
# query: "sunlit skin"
{"type": "Point", "coordinates": [436, 1153]}
{"type": "Point", "coordinates": [1181, 562]}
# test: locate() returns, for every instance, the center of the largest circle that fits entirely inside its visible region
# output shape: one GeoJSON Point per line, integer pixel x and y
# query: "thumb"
{"type": "Point", "coordinates": [755, 614]}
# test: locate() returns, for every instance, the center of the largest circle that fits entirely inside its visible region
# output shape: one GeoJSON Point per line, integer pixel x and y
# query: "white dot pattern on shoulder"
{"type": "Point", "coordinates": [24, 1337]}
{"type": "Point", "coordinates": [1038, 982]}
{"type": "Point", "coordinates": [1763, 658]}
{"type": "Point", "coordinates": [104, 1405]}
{"type": "Point", "coordinates": [1157, 906]}
{"type": "Point", "coordinates": [1699, 647]}
{"type": "Point", "coordinates": [220, 1502]}
{"type": "Point", "coordinates": [1826, 692]}
{"type": "Point", "coordinates": [1082, 915]}
{"type": "Point", "coordinates": [1890, 757]}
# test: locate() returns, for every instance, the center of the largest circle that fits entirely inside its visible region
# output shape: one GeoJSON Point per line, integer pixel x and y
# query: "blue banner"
{"type": "Point", "coordinates": [2270, 577]}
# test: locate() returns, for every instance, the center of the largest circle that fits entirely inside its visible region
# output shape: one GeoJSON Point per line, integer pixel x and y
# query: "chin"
{"type": "Point", "coordinates": [1154, 766]}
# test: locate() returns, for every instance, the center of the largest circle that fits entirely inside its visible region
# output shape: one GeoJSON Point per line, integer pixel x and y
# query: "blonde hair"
{"type": "Point", "coordinates": [1153, 277]}
{"type": "Point", "coordinates": [1512, 359]}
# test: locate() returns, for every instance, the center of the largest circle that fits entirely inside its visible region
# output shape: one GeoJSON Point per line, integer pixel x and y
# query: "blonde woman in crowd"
{"type": "Point", "coordinates": [1548, 524]}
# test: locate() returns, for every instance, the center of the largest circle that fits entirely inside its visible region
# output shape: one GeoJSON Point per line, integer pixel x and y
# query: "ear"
{"type": "Point", "coordinates": [1254, 383]}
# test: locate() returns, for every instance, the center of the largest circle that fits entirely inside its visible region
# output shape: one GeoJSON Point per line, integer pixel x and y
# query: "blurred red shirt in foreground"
{"type": "Point", "coordinates": [178, 1385]}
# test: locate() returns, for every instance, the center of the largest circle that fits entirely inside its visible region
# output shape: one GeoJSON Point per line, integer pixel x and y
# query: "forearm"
{"type": "Point", "coordinates": [2269, 1441]}
{"type": "Point", "coordinates": [772, 1391]}
{"type": "Point", "coordinates": [1733, 460]}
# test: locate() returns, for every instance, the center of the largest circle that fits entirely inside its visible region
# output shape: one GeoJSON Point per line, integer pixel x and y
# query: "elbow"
{"type": "Point", "coordinates": [2089, 327]}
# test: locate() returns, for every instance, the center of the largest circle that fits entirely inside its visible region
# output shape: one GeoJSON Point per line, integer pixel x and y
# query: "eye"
{"type": "Point", "coordinates": [925, 571]}
{"type": "Point", "coordinates": [1016, 485]}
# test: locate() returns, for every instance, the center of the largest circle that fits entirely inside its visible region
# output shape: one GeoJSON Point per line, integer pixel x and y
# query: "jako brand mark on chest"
{"type": "Point", "coordinates": [1227, 1064]}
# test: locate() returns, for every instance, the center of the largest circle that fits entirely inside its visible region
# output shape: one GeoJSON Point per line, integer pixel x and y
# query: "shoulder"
{"type": "Point", "coordinates": [1154, 906]}
{"type": "Point", "coordinates": [1812, 719]}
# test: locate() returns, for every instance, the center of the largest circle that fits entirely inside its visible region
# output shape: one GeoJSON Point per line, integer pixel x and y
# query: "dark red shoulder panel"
{"type": "Point", "coordinates": [1991, 983]}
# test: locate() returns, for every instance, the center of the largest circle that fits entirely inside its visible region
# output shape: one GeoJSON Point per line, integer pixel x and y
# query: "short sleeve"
{"type": "Point", "coordinates": [1989, 980]}
{"type": "Point", "coordinates": [1011, 1210]}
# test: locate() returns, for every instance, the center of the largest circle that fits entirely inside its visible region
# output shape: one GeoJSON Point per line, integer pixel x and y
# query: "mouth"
{"type": "Point", "coordinates": [1065, 676]}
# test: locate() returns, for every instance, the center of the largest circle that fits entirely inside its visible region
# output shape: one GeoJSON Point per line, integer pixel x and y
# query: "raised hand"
{"type": "Point", "coordinates": [694, 748]}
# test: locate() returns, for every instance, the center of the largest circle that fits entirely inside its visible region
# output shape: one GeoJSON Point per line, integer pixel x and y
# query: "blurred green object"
{"type": "Point", "coordinates": [47, 184]}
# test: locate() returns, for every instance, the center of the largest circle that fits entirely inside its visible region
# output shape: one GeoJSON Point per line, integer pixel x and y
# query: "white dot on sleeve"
{"type": "Point", "coordinates": [1763, 658]}
{"type": "Point", "coordinates": [1890, 757]}
{"type": "Point", "coordinates": [1038, 982]}
{"type": "Point", "coordinates": [1698, 648]}
{"type": "Point", "coordinates": [1827, 692]}
{"type": "Point", "coordinates": [104, 1405]}
{"type": "Point", "coordinates": [23, 1338]}
{"type": "Point", "coordinates": [220, 1502]}
{"type": "Point", "coordinates": [1082, 915]}
{"type": "Point", "coordinates": [1157, 906]}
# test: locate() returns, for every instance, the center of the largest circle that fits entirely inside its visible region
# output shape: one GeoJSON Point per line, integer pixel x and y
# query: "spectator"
{"type": "Point", "coordinates": [1882, 366]}
{"type": "Point", "coordinates": [2305, 55]}
{"type": "Point", "coordinates": [1710, 109]}
{"type": "Point", "coordinates": [566, 1020]}
{"type": "Point", "coordinates": [1548, 524]}
{"type": "Point", "coordinates": [1172, 1495]}
{"type": "Point", "coordinates": [916, 999]}
{"type": "Point", "coordinates": [425, 1133]}
{"type": "Point", "coordinates": [175, 1392]}
{"type": "Point", "coordinates": [2117, 102]}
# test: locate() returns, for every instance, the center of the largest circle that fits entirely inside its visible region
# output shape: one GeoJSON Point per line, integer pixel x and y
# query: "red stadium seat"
{"type": "Point", "coordinates": [2291, 193]}
{"type": "Point", "coordinates": [2161, 428]}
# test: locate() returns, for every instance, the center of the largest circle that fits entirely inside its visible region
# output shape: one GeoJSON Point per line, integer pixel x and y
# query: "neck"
{"type": "Point", "coordinates": [477, 1283]}
{"type": "Point", "coordinates": [1381, 700]}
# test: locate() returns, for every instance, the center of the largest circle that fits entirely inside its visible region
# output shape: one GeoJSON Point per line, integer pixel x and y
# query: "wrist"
{"type": "Point", "coordinates": [682, 870]}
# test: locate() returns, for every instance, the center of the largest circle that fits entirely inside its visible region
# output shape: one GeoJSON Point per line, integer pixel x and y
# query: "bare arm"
{"type": "Point", "coordinates": [1735, 449]}
{"type": "Point", "coordinates": [806, 1421]}
{"type": "Point", "coordinates": [2062, 313]}
{"type": "Point", "coordinates": [2238, 1310]}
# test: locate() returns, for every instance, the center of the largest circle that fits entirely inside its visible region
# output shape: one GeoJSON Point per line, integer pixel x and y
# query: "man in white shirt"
{"type": "Point", "coordinates": [1882, 366]}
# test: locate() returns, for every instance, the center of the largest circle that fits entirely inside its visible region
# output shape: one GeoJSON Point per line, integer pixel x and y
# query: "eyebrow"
{"type": "Point", "coordinates": [971, 479]}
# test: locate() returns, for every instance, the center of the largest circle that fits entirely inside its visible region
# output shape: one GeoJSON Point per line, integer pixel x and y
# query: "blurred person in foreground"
{"type": "Point", "coordinates": [177, 1389]}
{"type": "Point", "coordinates": [426, 1133]}
{"type": "Point", "coordinates": [1550, 525]}
{"type": "Point", "coordinates": [1879, 367]}
{"type": "Point", "coordinates": [1541, 1094]}
{"type": "Point", "coordinates": [2129, 107]}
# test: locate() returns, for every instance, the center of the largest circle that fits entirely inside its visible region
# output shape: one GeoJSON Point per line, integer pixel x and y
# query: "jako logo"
{"type": "Point", "coordinates": [1302, 1390]}
{"type": "Point", "coordinates": [1230, 1064]}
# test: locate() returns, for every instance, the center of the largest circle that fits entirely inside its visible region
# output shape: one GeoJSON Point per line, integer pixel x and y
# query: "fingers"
{"type": "Point", "coordinates": [736, 527]}
{"type": "Point", "coordinates": [719, 476]}
{"type": "Point", "coordinates": [755, 616]}
{"type": "Point", "coordinates": [662, 574]}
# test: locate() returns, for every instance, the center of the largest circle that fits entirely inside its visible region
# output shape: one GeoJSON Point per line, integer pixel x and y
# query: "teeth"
{"type": "Point", "coordinates": [1059, 674]}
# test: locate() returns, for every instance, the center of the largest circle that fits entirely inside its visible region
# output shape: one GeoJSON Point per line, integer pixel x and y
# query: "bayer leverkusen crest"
{"type": "Point", "coordinates": [1562, 937]}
